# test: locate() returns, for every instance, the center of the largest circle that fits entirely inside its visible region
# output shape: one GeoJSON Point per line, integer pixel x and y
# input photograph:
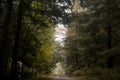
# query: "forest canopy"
{"type": "Point", "coordinates": [90, 48]}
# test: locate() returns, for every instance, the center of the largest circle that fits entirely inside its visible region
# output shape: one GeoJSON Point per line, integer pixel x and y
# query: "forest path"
{"type": "Point", "coordinates": [57, 78]}
{"type": "Point", "coordinates": [62, 78]}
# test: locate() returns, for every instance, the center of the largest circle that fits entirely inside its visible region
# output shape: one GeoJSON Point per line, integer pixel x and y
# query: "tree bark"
{"type": "Point", "coordinates": [109, 39]}
{"type": "Point", "coordinates": [109, 33]}
{"type": "Point", "coordinates": [14, 67]}
{"type": "Point", "coordinates": [4, 39]}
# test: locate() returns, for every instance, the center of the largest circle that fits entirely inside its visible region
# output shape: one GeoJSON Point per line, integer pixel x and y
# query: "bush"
{"type": "Point", "coordinates": [77, 73]}
{"type": "Point", "coordinates": [82, 72]}
{"type": "Point", "coordinates": [98, 73]}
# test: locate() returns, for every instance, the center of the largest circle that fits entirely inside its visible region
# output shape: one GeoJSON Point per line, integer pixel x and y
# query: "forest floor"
{"type": "Point", "coordinates": [63, 78]}
{"type": "Point", "coordinates": [57, 78]}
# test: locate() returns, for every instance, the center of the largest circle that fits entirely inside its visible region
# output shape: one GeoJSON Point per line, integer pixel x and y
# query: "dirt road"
{"type": "Point", "coordinates": [57, 78]}
{"type": "Point", "coordinates": [62, 78]}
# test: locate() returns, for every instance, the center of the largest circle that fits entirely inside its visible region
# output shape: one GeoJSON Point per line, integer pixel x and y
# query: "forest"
{"type": "Point", "coordinates": [59, 40]}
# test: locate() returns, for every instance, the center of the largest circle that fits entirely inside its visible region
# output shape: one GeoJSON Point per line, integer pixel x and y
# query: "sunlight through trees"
{"type": "Point", "coordinates": [58, 70]}
{"type": "Point", "coordinates": [78, 38]}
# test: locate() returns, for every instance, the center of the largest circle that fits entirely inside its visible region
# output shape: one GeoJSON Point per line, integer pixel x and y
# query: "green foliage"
{"type": "Point", "coordinates": [27, 73]}
{"type": "Point", "coordinates": [77, 73]}
{"type": "Point", "coordinates": [29, 25]}
{"type": "Point", "coordinates": [112, 55]}
{"type": "Point", "coordinates": [37, 47]}
{"type": "Point", "coordinates": [92, 40]}
{"type": "Point", "coordinates": [92, 45]}
{"type": "Point", "coordinates": [98, 73]}
{"type": "Point", "coordinates": [82, 72]}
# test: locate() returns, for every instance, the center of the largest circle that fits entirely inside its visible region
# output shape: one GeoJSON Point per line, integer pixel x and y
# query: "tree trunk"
{"type": "Point", "coordinates": [109, 46]}
{"type": "Point", "coordinates": [4, 39]}
{"type": "Point", "coordinates": [109, 34]}
{"type": "Point", "coordinates": [14, 67]}
{"type": "Point", "coordinates": [109, 39]}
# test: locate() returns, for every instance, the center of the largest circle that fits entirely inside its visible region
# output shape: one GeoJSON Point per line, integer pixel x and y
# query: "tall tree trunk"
{"type": "Point", "coordinates": [4, 39]}
{"type": "Point", "coordinates": [0, 10]}
{"type": "Point", "coordinates": [109, 33]}
{"type": "Point", "coordinates": [77, 60]}
{"type": "Point", "coordinates": [109, 39]}
{"type": "Point", "coordinates": [14, 67]}
{"type": "Point", "coordinates": [109, 46]}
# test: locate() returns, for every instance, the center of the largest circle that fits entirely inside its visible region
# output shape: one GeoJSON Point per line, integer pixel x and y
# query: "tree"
{"type": "Point", "coordinates": [5, 21]}
{"type": "Point", "coordinates": [14, 67]}
{"type": "Point", "coordinates": [92, 29]}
